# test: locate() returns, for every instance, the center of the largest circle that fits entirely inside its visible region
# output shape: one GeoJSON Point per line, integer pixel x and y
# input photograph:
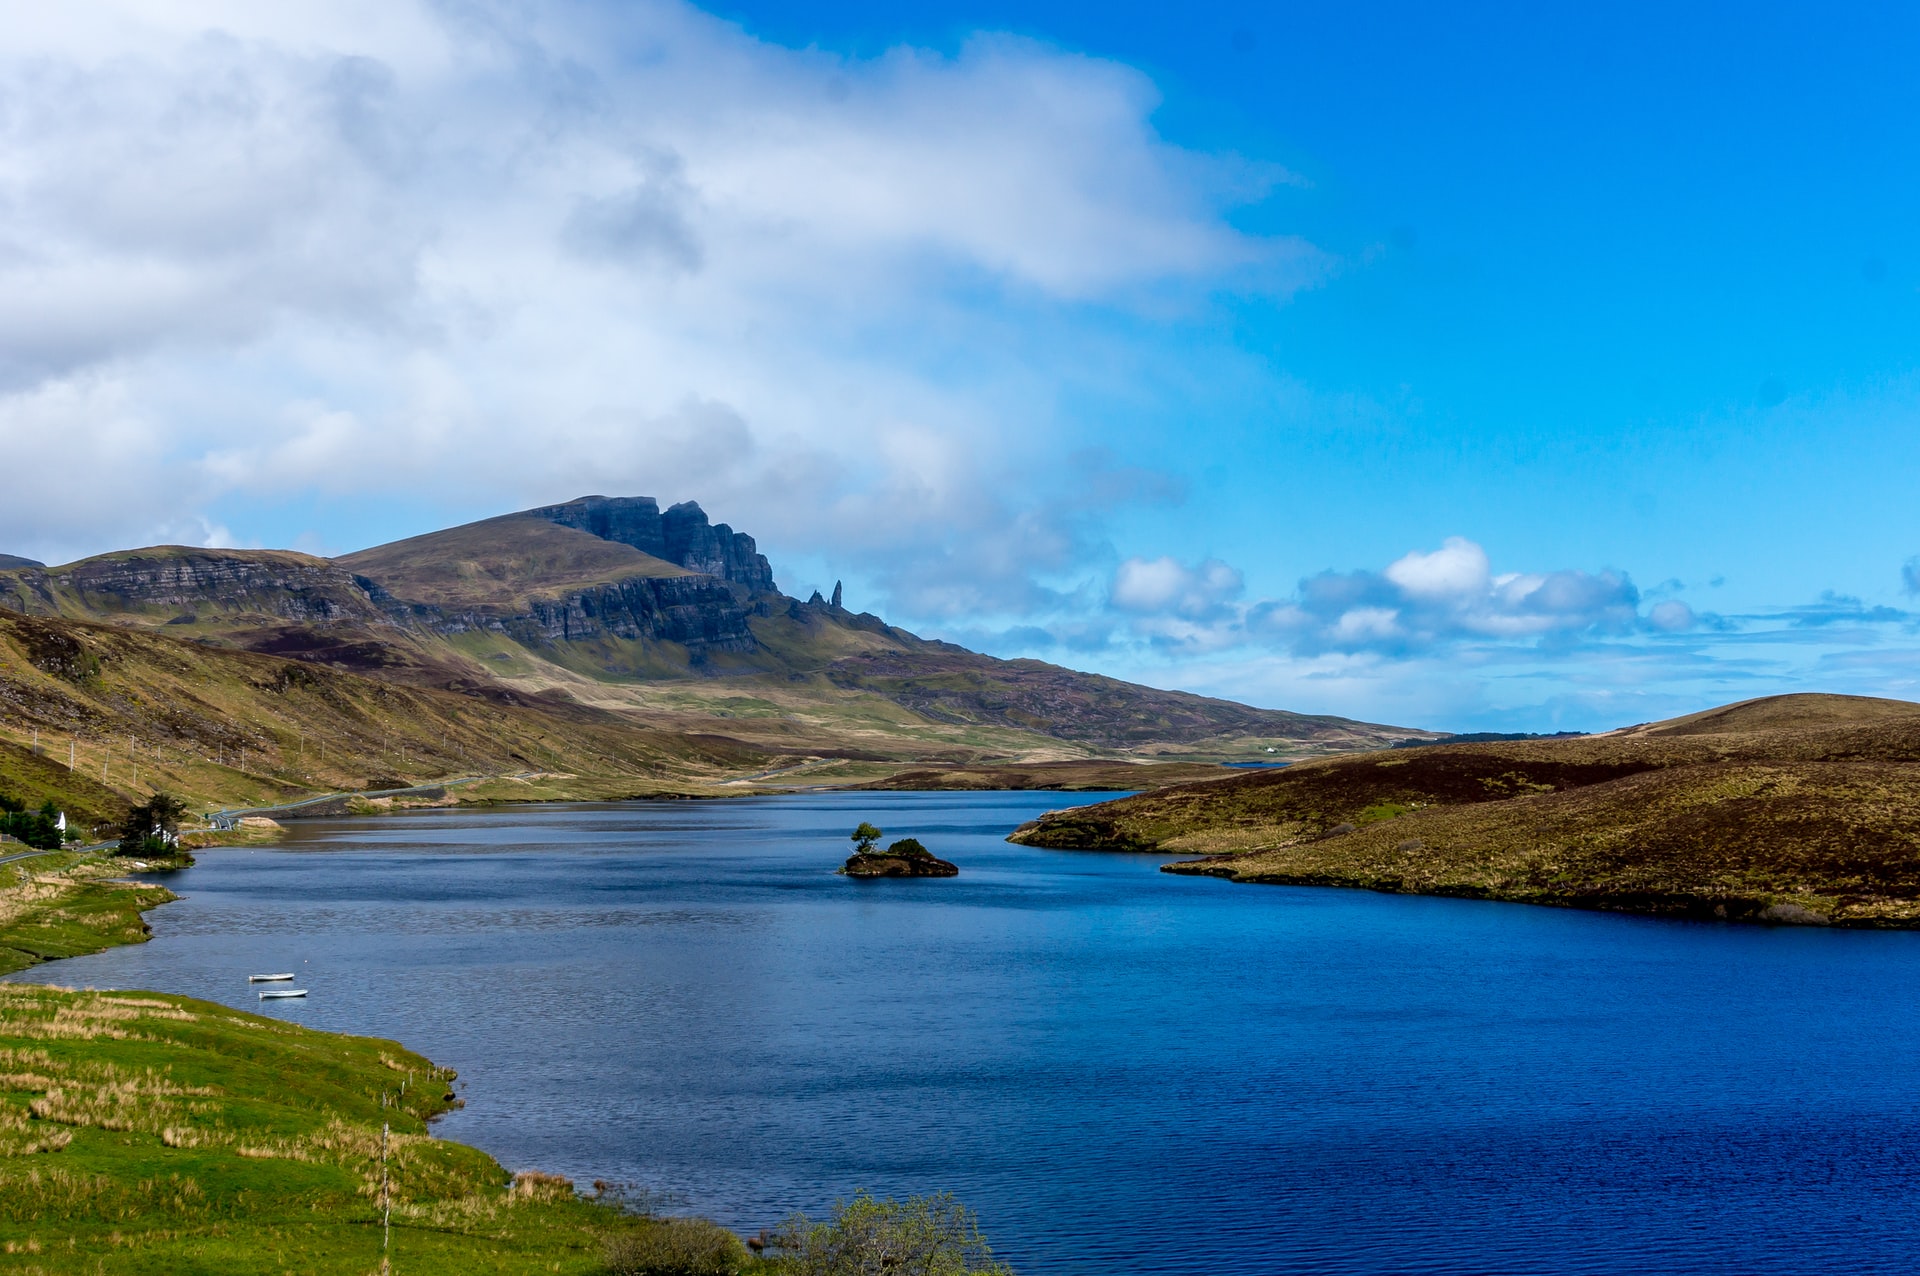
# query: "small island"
{"type": "Point", "coordinates": [904, 858]}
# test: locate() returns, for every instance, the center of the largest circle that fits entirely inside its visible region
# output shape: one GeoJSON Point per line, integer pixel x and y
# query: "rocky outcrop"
{"type": "Point", "coordinates": [630, 520]}
{"type": "Point", "coordinates": [683, 535]}
{"type": "Point", "coordinates": [715, 548]}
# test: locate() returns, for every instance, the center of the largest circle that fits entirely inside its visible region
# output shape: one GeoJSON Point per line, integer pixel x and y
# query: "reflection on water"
{"type": "Point", "coordinates": [1122, 1071]}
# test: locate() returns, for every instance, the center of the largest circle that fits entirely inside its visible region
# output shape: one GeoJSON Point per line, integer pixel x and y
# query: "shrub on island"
{"type": "Point", "coordinates": [904, 858]}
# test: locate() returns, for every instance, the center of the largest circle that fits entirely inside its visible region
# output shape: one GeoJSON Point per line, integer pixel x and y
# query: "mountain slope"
{"type": "Point", "coordinates": [661, 615]}
{"type": "Point", "coordinates": [137, 710]}
{"type": "Point", "coordinates": [1790, 808]}
{"type": "Point", "coordinates": [501, 563]}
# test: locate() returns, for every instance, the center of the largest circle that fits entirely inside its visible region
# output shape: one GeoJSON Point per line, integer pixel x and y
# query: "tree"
{"type": "Point", "coordinates": [920, 1236]}
{"type": "Point", "coordinates": [40, 829]}
{"type": "Point", "coordinates": [153, 827]}
{"type": "Point", "coordinates": [865, 838]}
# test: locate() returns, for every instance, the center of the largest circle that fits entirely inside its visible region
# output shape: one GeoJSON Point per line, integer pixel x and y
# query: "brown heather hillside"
{"type": "Point", "coordinates": [143, 710]}
{"type": "Point", "coordinates": [1791, 808]}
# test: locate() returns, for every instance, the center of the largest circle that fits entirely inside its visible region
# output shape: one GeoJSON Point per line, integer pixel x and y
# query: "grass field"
{"type": "Point", "coordinates": [142, 1133]}
{"type": "Point", "coordinates": [65, 904]}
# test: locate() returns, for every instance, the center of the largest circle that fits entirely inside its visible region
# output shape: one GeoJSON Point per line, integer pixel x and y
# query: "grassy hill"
{"type": "Point", "coordinates": [501, 563]}
{"type": "Point", "coordinates": [144, 1133]}
{"type": "Point", "coordinates": [1791, 808]}
{"type": "Point", "coordinates": [138, 710]}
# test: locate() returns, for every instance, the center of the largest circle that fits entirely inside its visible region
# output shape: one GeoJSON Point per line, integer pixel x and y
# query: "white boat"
{"type": "Point", "coordinates": [278, 993]}
{"type": "Point", "coordinates": [268, 979]}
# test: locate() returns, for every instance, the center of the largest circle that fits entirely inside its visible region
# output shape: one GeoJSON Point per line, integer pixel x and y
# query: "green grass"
{"type": "Point", "coordinates": [66, 905]}
{"type": "Point", "coordinates": [147, 1133]}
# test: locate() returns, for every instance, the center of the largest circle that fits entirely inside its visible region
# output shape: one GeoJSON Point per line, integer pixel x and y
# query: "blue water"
{"type": "Point", "coordinates": [1121, 1070]}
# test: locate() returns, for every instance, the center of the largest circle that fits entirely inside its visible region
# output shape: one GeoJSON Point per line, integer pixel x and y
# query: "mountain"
{"type": "Point", "coordinates": [1799, 808]}
{"type": "Point", "coordinates": [663, 616]}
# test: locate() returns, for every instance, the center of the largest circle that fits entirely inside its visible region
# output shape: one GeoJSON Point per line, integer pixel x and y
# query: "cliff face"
{"type": "Point", "coordinates": [289, 586]}
{"type": "Point", "coordinates": [682, 535]}
{"type": "Point", "coordinates": [698, 612]}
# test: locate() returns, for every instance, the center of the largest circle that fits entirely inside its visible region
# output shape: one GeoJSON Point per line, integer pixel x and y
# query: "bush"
{"type": "Point", "coordinates": [910, 846]}
{"type": "Point", "coordinates": [676, 1247]}
{"type": "Point", "coordinates": [920, 1236]}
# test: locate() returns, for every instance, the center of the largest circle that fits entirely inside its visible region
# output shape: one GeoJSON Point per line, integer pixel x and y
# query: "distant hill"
{"type": "Point", "coordinates": [659, 615]}
{"type": "Point", "coordinates": [1800, 808]}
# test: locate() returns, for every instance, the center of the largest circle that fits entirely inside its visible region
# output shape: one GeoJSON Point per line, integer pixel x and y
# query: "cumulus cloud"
{"type": "Point", "coordinates": [1427, 598]}
{"type": "Point", "coordinates": [1910, 575]}
{"type": "Point", "coordinates": [1172, 605]}
{"type": "Point", "coordinates": [1422, 601]}
{"type": "Point", "coordinates": [1166, 586]}
{"type": "Point", "coordinates": [517, 253]}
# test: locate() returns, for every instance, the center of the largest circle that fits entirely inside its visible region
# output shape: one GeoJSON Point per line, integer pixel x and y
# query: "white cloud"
{"type": "Point", "coordinates": [1165, 585]}
{"type": "Point", "coordinates": [1431, 598]}
{"type": "Point", "coordinates": [1422, 601]}
{"type": "Point", "coordinates": [1457, 570]}
{"type": "Point", "coordinates": [1671, 616]}
{"type": "Point", "coordinates": [517, 253]}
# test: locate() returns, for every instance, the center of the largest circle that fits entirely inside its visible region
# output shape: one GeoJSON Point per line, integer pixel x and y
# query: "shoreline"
{"type": "Point", "coordinates": [1792, 911]}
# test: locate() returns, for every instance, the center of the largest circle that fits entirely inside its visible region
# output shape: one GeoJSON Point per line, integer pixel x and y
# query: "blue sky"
{"type": "Point", "coordinates": [1469, 366]}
